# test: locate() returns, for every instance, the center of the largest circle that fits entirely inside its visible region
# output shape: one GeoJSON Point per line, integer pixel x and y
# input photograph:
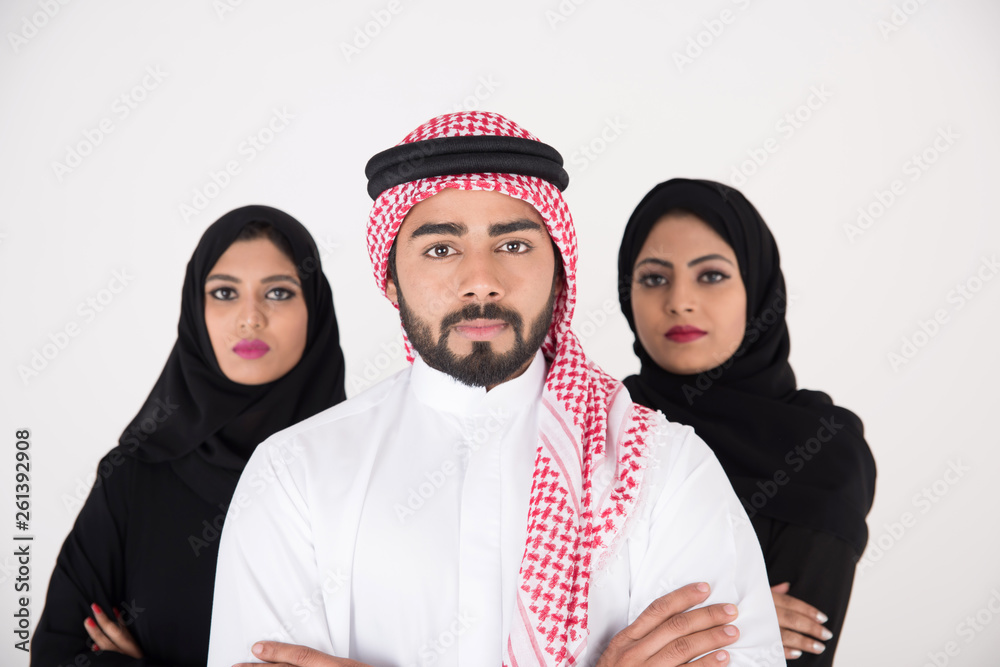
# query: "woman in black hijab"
{"type": "Point", "coordinates": [257, 350]}
{"type": "Point", "coordinates": [701, 286]}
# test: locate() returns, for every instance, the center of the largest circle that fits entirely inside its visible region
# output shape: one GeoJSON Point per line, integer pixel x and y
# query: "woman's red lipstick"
{"type": "Point", "coordinates": [684, 333]}
{"type": "Point", "coordinates": [251, 349]}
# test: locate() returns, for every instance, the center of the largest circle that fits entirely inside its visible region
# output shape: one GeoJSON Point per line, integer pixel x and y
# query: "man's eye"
{"type": "Point", "coordinates": [516, 247]}
{"type": "Point", "coordinates": [440, 251]}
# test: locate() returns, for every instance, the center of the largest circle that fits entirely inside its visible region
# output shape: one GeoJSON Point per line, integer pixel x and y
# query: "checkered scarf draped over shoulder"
{"type": "Point", "coordinates": [575, 515]}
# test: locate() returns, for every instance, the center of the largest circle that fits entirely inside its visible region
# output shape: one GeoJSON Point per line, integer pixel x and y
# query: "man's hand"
{"type": "Point", "coordinates": [110, 635]}
{"type": "Point", "coordinates": [290, 655]}
{"type": "Point", "coordinates": [666, 634]}
{"type": "Point", "coordinates": [800, 623]}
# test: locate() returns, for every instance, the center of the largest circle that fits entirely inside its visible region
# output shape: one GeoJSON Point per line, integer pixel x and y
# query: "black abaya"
{"type": "Point", "coordinates": [799, 463]}
{"type": "Point", "coordinates": [146, 541]}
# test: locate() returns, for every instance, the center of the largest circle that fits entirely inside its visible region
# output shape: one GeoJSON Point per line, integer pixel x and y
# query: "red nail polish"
{"type": "Point", "coordinates": [97, 610]}
{"type": "Point", "coordinates": [118, 614]}
{"type": "Point", "coordinates": [94, 647]}
{"type": "Point", "coordinates": [90, 624]}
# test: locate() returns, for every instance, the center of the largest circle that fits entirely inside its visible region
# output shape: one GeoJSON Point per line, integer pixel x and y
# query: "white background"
{"type": "Point", "coordinates": [568, 74]}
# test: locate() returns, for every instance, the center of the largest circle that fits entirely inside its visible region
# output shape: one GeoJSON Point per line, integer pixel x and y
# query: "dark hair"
{"type": "Point", "coordinates": [265, 230]}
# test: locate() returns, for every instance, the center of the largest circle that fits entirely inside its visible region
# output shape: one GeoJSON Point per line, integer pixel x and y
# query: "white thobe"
{"type": "Point", "coordinates": [390, 529]}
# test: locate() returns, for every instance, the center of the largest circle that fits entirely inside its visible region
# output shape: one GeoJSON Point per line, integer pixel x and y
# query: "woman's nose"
{"type": "Point", "coordinates": [251, 319]}
{"type": "Point", "coordinates": [680, 299]}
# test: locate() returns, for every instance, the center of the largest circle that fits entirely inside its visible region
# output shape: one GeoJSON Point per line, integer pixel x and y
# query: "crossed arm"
{"type": "Point", "coordinates": [667, 634]}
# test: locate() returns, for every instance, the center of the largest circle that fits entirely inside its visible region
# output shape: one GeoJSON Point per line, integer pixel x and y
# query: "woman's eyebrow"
{"type": "Point", "coordinates": [708, 257]}
{"type": "Point", "coordinates": [670, 265]}
{"type": "Point", "coordinates": [655, 260]}
{"type": "Point", "coordinates": [223, 276]}
{"type": "Point", "coordinates": [281, 277]}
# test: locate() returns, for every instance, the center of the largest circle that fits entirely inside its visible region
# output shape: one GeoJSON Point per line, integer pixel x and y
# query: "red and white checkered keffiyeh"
{"type": "Point", "coordinates": [575, 516]}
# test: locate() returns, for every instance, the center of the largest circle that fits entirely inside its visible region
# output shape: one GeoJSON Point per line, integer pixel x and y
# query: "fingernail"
{"type": "Point", "coordinates": [94, 647]}
{"type": "Point", "coordinates": [819, 648]}
{"type": "Point", "coordinates": [721, 656]}
{"type": "Point", "coordinates": [257, 648]}
{"type": "Point", "coordinates": [821, 617]}
{"type": "Point", "coordinates": [97, 610]}
{"type": "Point", "coordinates": [796, 653]}
{"type": "Point", "coordinates": [826, 634]}
{"type": "Point", "coordinates": [90, 623]}
{"type": "Point", "coordinates": [729, 609]}
{"type": "Point", "coordinates": [730, 630]}
{"type": "Point", "coordinates": [118, 614]}
{"type": "Point", "coordinates": [703, 587]}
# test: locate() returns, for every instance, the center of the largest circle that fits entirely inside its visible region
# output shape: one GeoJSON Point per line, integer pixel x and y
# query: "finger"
{"type": "Point", "coordinates": [686, 648]}
{"type": "Point", "coordinates": [690, 623]}
{"type": "Point", "coordinates": [714, 659]}
{"type": "Point", "coordinates": [292, 655]}
{"type": "Point", "coordinates": [781, 588]}
{"type": "Point", "coordinates": [662, 608]}
{"type": "Point", "coordinates": [802, 624]}
{"type": "Point", "coordinates": [797, 605]}
{"type": "Point", "coordinates": [98, 636]}
{"type": "Point", "coordinates": [117, 633]}
{"type": "Point", "coordinates": [797, 642]}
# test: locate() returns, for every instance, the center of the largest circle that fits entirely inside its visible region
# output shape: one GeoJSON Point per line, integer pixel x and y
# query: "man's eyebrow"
{"type": "Point", "coordinates": [440, 228]}
{"type": "Point", "coordinates": [501, 228]}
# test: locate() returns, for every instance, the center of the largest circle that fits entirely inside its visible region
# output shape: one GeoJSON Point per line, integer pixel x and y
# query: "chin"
{"type": "Point", "coordinates": [683, 366]}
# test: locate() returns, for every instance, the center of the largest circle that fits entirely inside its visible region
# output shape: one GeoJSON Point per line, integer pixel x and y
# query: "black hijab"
{"type": "Point", "coordinates": [790, 454]}
{"type": "Point", "coordinates": [204, 424]}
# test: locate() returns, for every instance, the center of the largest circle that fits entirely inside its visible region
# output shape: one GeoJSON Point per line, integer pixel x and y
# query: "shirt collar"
{"type": "Point", "coordinates": [441, 391]}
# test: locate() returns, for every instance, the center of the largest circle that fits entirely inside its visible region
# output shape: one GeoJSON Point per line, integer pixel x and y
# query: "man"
{"type": "Point", "coordinates": [501, 500]}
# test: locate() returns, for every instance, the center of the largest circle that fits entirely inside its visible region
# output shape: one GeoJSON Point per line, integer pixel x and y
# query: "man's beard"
{"type": "Point", "coordinates": [482, 367]}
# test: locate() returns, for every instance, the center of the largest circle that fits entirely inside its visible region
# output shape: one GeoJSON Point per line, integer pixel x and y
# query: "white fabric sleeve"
{"type": "Point", "coordinates": [267, 582]}
{"type": "Point", "coordinates": [696, 530]}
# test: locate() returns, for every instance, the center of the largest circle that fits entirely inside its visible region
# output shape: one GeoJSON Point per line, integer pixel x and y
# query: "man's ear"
{"type": "Point", "coordinates": [390, 288]}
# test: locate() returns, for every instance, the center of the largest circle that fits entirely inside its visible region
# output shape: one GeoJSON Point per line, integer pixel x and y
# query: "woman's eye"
{"type": "Point", "coordinates": [280, 294]}
{"type": "Point", "coordinates": [652, 280]}
{"type": "Point", "coordinates": [440, 251]}
{"type": "Point", "coordinates": [223, 293]}
{"type": "Point", "coordinates": [713, 277]}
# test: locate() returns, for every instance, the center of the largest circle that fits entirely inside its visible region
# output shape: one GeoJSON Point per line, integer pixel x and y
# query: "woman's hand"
{"type": "Point", "coordinates": [111, 635]}
{"type": "Point", "coordinates": [800, 623]}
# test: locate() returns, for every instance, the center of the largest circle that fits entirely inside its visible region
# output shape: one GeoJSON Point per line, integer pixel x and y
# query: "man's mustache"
{"type": "Point", "coordinates": [489, 311]}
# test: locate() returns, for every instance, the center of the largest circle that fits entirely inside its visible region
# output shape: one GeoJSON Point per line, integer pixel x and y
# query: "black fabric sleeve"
{"type": "Point", "coordinates": [90, 568]}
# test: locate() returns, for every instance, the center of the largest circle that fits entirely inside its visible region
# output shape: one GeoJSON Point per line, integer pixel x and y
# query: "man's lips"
{"type": "Point", "coordinates": [480, 329]}
{"type": "Point", "coordinates": [684, 333]}
{"type": "Point", "coordinates": [251, 349]}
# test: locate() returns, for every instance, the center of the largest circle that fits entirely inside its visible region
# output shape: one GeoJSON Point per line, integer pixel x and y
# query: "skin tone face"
{"type": "Point", "coordinates": [688, 298]}
{"type": "Point", "coordinates": [476, 283]}
{"type": "Point", "coordinates": [255, 312]}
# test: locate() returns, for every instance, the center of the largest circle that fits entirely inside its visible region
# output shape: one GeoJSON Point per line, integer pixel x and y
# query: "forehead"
{"type": "Point", "coordinates": [476, 209]}
{"type": "Point", "coordinates": [683, 233]}
{"type": "Point", "coordinates": [258, 255]}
